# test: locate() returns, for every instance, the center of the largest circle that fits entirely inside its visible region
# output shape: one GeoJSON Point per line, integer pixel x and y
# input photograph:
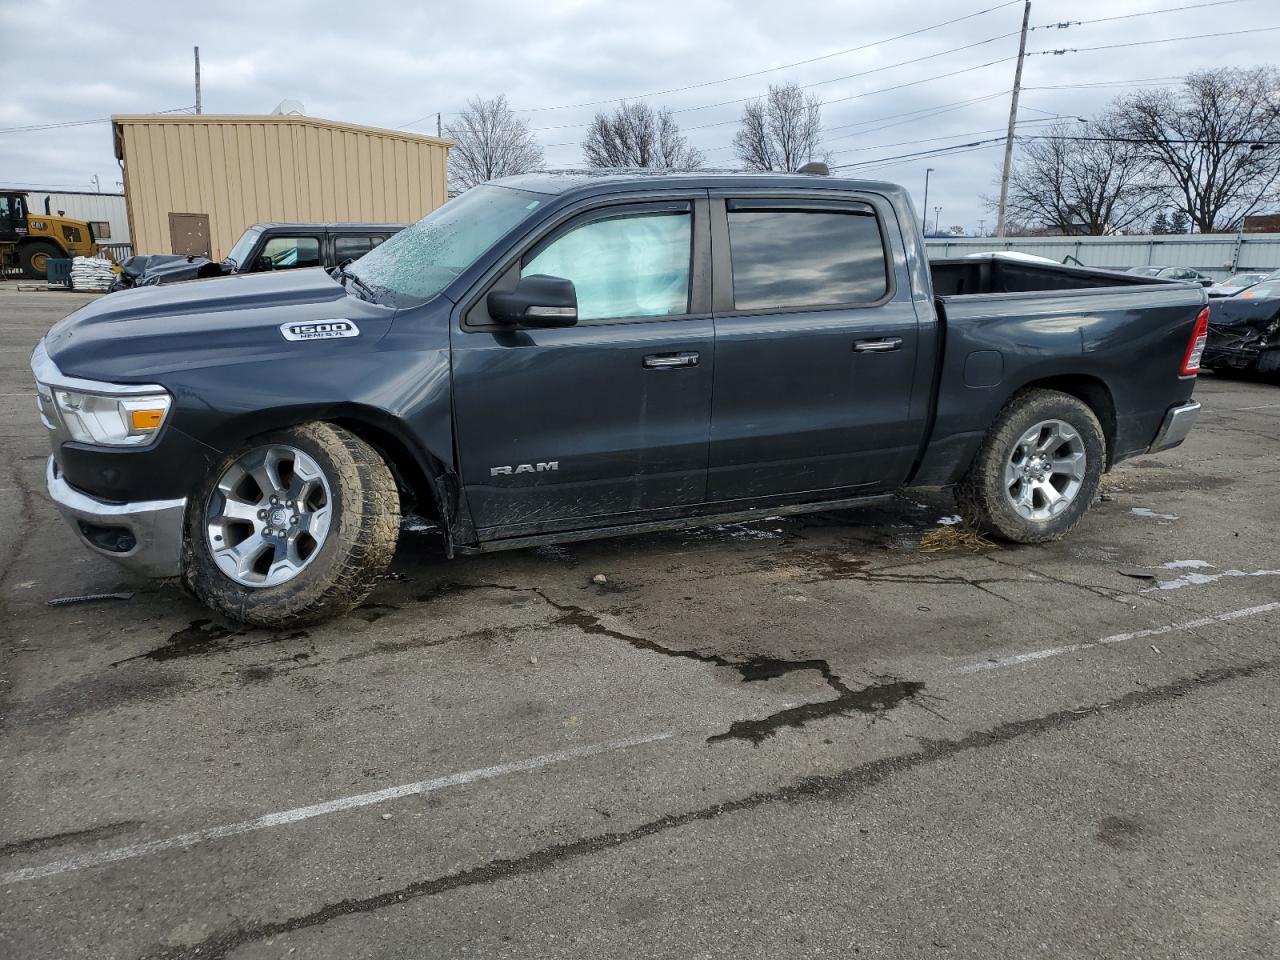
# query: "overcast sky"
{"type": "Point", "coordinates": [396, 64]}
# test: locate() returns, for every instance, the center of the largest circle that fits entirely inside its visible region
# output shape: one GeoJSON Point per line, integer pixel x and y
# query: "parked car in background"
{"type": "Point", "coordinates": [1244, 330]}
{"type": "Point", "coordinates": [264, 247]}
{"type": "Point", "coordinates": [1174, 273]}
{"type": "Point", "coordinates": [559, 357]}
{"type": "Point", "coordinates": [1237, 282]}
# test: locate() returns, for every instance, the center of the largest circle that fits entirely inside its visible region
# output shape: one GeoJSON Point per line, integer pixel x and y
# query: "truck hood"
{"type": "Point", "coordinates": [1241, 311]}
{"type": "Point", "coordinates": [138, 335]}
{"type": "Point", "coordinates": [167, 268]}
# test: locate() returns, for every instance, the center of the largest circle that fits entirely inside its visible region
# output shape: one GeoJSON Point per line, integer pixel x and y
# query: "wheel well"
{"type": "Point", "coordinates": [1094, 394]}
{"type": "Point", "coordinates": [41, 240]}
{"type": "Point", "coordinates": [417, 495]}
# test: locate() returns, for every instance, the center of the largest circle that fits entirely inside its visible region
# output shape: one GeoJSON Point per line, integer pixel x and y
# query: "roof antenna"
{"type": "Point", "coordinates": [816, 168]}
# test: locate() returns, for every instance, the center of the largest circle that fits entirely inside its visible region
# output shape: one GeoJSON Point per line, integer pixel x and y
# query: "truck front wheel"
{"type": "Point", "coordinates": [34, 258]}
{"type": "Point", "coordinates": [294, 528]}
{"type": "Point", "coordinates": [1037, 470]}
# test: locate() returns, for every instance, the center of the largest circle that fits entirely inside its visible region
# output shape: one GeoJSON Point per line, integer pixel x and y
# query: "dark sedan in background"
{"type": "Point", "coordinates": [1244, 330]}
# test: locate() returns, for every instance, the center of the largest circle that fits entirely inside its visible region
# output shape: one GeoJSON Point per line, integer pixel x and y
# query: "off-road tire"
{"type": "Point", "coordinates": [28, 252]}
{"type": "Point", "coordinates": [357, 550]}
{"type": "Point", "coordinates": [980, 494]}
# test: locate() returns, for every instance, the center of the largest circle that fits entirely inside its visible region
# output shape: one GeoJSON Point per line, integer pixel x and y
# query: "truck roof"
{"type": "Point", "coordinates": [557, 182]}
{"type": "Point", "coordinates": [287, 225]}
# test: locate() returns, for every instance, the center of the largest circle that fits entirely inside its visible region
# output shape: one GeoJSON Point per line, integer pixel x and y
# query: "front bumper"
{"type": "Point", "coordinates": [145, 536]}
{"type": "Point", "coordinates": [1177, 424]}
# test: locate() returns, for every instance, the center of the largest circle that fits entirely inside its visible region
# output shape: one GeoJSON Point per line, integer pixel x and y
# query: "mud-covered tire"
{"type": "Point", "coordinates": [356, 550]}
{"type": "Point", "coordinates": [982, 496]}
{"type": "Point", "coordinates": [34, 257]}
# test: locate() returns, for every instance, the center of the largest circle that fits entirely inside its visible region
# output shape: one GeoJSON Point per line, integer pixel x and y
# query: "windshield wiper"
{"type": "Point", "coordinates": [358, 283]}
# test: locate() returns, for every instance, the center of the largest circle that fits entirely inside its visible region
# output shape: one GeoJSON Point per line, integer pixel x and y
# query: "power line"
{"type": "Point", "coordinates": [757, 73]}
{"type": "Point", "coordinates": [949, 136]}
{"type": "Point", "coordinates": [1064, 24]}
{"type": "Point", "coordinates": [1146, 43]}
{"type": "Point", "coordinates": [863, 73]}
{"type": "Point", "coordinates": [923, 113]}
{"type": "Point", "coordinates": [31, 128]}
{"type": "Point", "coordinates": [1107, 83]}
{"type": "Point", "coordinates": [921, 154]}
{"type": "Point", "coordinates": [818, 83]}
{"type": "Point", "coordinates": [865, 46]}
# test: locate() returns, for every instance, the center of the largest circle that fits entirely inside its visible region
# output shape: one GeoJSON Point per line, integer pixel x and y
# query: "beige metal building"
{"type": "Point", "coordinates": [193, 183]}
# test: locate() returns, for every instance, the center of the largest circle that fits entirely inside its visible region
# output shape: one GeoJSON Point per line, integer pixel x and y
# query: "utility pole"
{"type": "Point", "coordinates": [1013, 119]}
{"type": "Point", "coordinates": [438, 125]}
{"type": "Point", "coordinates": [937, 216]}
{"type": "Point", "coordinates": [925, 224]}
{"type": "Point", "coordinates": [199, 105]}
{"type": "Point", "coordinates": [982, 228]}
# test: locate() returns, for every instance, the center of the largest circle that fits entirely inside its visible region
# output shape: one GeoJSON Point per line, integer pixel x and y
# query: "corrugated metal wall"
{"type": "Point", "coordinates": [1217, 255]}
{"type": "Point", "coordinates": [245, 170]}
{"type": "Point", "coordinates": [86, 206]}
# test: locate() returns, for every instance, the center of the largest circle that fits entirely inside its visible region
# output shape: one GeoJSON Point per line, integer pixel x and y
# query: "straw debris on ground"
{"type": "Point", "coordinates": [958, 536]}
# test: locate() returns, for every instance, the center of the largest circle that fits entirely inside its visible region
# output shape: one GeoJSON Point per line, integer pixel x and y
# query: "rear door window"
{"type": "Point", "coordinates": [352, 248]}
{"type": "Point", "coordinates": [807, 257]}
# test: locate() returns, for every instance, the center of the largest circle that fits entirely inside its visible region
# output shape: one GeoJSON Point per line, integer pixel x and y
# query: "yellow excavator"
{"type": "Point", "coordinates": [28, 241]}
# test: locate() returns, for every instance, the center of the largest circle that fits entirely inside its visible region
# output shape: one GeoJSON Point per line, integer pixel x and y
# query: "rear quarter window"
{"type": "Point", "coordinates": [806, 258]}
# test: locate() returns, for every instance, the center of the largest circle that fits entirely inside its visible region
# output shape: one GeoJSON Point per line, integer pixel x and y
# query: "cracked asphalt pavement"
{"type": "Point", "coordinates": [806, 737]}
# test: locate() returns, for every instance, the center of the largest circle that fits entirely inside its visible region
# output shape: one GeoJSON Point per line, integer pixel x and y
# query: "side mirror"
{"type": "Point", "coordinates": [1206, 282]}
{"type": "Point", "coordinates": [537, 301]}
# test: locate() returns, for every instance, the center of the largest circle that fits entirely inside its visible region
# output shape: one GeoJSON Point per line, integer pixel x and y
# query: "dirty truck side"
{"type": "Point", "coordinates": [557, 357]}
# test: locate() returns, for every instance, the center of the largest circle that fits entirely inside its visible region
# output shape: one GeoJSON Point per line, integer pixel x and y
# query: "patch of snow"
{"type": "Point", "coordinates": [1150, 514]}
{"type": "Point", "coordinates": [950, 521]}
{"type": "Point", "coordinates": [1187, 565]}
{"type": "Point", "coordinates": [1200, 579]}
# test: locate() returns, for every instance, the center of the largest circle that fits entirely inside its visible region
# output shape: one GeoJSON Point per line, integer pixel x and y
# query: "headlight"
{"type": "Point", "coordinates": [112, 421]}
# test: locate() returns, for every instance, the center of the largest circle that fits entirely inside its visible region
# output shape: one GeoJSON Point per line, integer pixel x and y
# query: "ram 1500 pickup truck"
{"type": "Point", "coordinates": [554, 357]}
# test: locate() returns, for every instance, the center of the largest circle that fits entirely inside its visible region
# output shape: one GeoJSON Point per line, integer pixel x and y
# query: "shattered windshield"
{"type": "Point", "coordinates": [241, 250]}
{"type": "Point", "coordinates": [420, 261]}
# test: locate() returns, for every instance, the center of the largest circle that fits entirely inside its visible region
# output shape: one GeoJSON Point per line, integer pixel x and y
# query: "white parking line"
{"type": "Point", "coordinates": [1017, 659]}
{"type": "Point", "coordinates": [297, 814]}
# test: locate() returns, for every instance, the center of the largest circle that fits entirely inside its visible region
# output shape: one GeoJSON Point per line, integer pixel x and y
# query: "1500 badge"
{"type": "Point", "coordinates": [319, 330]}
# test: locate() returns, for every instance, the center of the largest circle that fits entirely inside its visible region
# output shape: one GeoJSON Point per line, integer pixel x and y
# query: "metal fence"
{"type": "Point", "coordinates": [116, 251]}
{"type": "Point", "coordinates": [1218, 255]}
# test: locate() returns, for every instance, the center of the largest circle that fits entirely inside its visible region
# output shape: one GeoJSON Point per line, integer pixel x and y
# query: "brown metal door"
{"type": "Point", "coordinates": [189, 233]}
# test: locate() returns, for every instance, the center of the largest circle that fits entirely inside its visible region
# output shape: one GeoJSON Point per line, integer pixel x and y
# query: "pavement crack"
{"type": "Point", "coordinates": [36, 844]}
{"type": "Point", "coordinates": [842, 786]}
{"type": "Point", "coordinates": [876, 699]}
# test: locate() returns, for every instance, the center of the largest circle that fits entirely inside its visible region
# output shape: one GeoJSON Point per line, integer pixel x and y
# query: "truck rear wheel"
{"type": "Point", "coordinates": [1038, 469]}
{"type": "Point", "coordinates": [294, 528]}
{"type": "Point", "coordinates": [34, 258]}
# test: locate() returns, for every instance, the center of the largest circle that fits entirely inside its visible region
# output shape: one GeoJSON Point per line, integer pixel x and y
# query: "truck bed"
{"type": "Point", "coordinates": [1115, 339]}
{"type": "Point", "coordinates": [988, 275]}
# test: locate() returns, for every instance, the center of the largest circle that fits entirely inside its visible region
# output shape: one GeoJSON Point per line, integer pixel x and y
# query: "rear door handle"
{"type": "Point", "coordinates": [668, 361]}
{"type": "Point", "coordinates": [883, 345]}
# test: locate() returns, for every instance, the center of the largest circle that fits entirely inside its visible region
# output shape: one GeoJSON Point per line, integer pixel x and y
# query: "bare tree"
{"type": "Point", "coordinates": [489, 141]}
{"type": "Point", "coordinates": [780, 131]}
{"type": "Point", "coordinates": [1075, 179]}
{"type": "Point", "coordinates": [636, 135]}
{"type": "Point", "coordinates": [1213, 141]}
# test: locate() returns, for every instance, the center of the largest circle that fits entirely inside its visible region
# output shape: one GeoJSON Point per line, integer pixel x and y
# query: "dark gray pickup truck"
{"type": "Point", "coordinates": [557, 357]}
{"type": "Point", "coordinates": [263, 247]}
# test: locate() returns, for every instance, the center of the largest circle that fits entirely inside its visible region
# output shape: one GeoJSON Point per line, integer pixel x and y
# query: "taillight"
{"type": "Point", "coordinates": [1195, 349]}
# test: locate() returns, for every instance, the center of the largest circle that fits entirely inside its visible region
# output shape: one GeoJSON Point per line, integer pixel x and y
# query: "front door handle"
{"type": "Point", "coordinates": [668, 361]}
{"type": "Point", "coordinates": [883, 345]}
